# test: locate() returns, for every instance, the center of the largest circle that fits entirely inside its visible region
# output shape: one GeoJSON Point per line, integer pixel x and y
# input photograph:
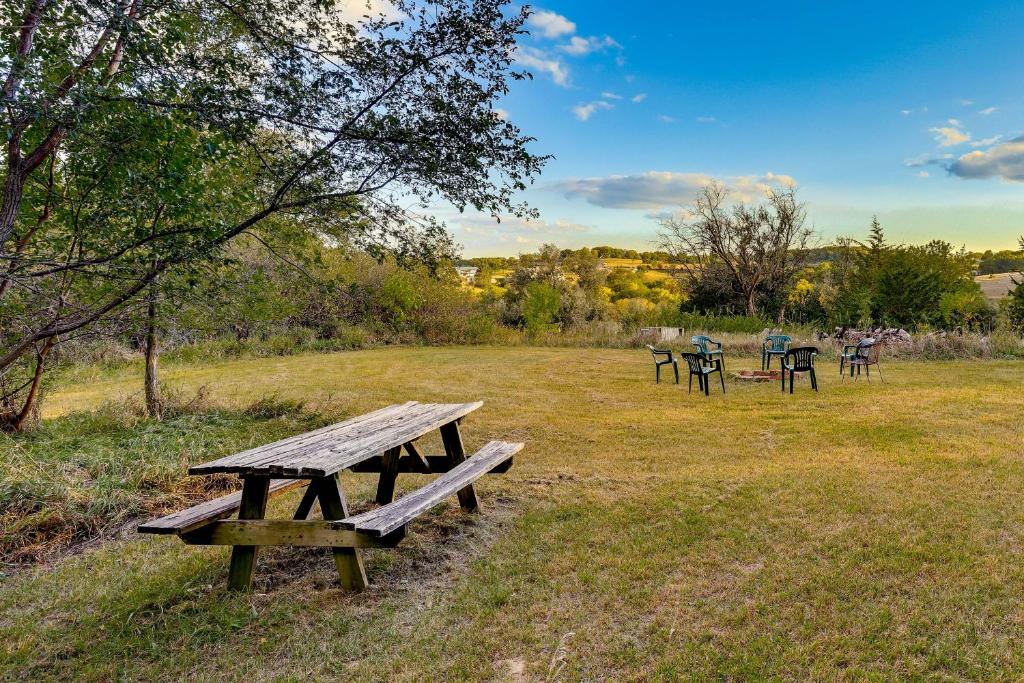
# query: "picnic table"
{"type": "Point", "coordinates": [373, 443]}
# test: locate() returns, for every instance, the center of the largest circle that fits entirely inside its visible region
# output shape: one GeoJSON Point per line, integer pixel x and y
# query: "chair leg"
{"type": "Point", "coordinates": [707, 385]}
{"type": "Point", "coordinates": [689, 386]}
{"type": "Point", "coordinates": [814, 380]}
{"type": "Point", "coordinates": [783, 379]}
{"type": "Point", "coordinates": [879, 369]}
{"type": "Point", "coordinates": [792, 380]}
{"type": "Point", "coordinates": [657, 374]}
{"type": "Point", "coordinates": [867, 371]}
{"type": "Point", "coordinates": [842, 366]}
{"type": "Point", "coordinates": [721, 376]}
{"type": "Point", "coordinates": [675, 369]}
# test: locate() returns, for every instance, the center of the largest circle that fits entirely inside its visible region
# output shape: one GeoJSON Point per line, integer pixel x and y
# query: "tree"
{"type": "Point", "coordinates": [180, 125]}
{"type": "Point", "coordinates": [759, 245]}
{"type": "Point", "coordinates": [1016, 305]}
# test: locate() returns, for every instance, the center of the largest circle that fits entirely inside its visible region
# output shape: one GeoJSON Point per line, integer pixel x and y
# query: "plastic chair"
{"type": "Point", "coordinates": [851, 351]}
{"type": "Point", "coordinates": [774, 345]}
{"type": "Point", "coordinates": [669, 360]}
{"type": "Point", "coordinates": [708, 348]}
{"type": "Point", "coordinates": [698, 365]}
{"type": "Point", "coordinates": [868, 356]}
{"type": "Point", "coordinates": [800, 359]}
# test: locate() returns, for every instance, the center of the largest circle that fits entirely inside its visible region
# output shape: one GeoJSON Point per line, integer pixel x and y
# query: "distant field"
{"type": "Point", "coordinates": [996, 286]}
{"type": "Point", "coordinates": [866, 532]}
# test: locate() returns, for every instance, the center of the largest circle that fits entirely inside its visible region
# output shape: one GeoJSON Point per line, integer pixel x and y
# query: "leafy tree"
{"type": "Point", "coordinates": [141, 138]}
{"type": "Point", "coordinates": [540, 307]}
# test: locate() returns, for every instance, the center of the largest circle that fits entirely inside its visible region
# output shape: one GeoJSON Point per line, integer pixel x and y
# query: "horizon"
{"type": "Point", "coordinates": [900, 112]}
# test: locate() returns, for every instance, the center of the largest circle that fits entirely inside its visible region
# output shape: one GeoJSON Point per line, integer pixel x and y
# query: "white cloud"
{"type": "Point", "coordinates": [988, 110]}
{"type": "Point", "coordinates": [532, 58]}
{"type": "Point", "coordinates": [1004, 161]}
{"type": "Point", "coordinates": [986, 142]}
{"type": "Point", "coordinates": [660, 190]}
{"type": "Point", "coordinates": [502, 113]}
{"type": "Point", "coordinates": [665, 118]}
{"type": "Point", "coordinates": [906, 112]}
{"type": "Point", "coordinates": [706, 119]}
{"type": "Point", "coordinates": [482, 224]}
{"type": "Point", "coordinates": [639, 97]}
{"type": "Point", "coordinates": [923, 174]}
{"type": "Point", "coordinates": [950, 135]}
{"type": "Point", "coordinates": [965, 103]}
{"type": "Point", "coordinates": [550, 24]}
{"type": "Point", "coordinates": [354, 11]}
{"type": "Point", "coordinates": [584, 110]}
{"type": "Point", "coordinates": [611, 96]}
{"type": "Point", "coordinates": [579, 46]}
{"type": "Point", "coordinates": [927, 160]}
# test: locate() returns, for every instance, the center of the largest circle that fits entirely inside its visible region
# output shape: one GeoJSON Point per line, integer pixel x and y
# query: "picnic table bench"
{"type": "Point", "coordinates": [368, 443]}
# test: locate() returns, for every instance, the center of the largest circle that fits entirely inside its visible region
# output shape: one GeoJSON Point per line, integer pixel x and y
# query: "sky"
{"type": "Point", "coordinates": [913, 111]}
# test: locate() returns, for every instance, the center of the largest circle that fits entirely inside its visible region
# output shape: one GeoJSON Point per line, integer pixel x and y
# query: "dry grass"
{"type": "Point", "coordinates": [867, 531]}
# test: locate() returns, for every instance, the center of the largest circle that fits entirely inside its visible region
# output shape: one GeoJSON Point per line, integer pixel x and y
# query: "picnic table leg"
{"type": "Point", "coordinates": [255, 492]}
{"type": "Point", "coordinates": [388, 475]}
{"type": "Point", "coordinates": [306, 504]}
{"type": "Point", "coordinates": [456, 454]}
{"type": "Point", "coordinates": [348, 560]}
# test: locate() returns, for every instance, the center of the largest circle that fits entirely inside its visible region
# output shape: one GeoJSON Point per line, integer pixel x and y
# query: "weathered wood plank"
{"type": "Point", "coordinates": [416, 459]}
{"type": "Point", "coordinates": [255, 492]}
{"type": "Point", "coordinates": [388, 475]}
{"type": "Point", "coordinates": [457, 454]}
{"type": "Point", "coordinates": [210, 510]}
{"type": "Point", "coordinates": [259, 532]}
{"type": "Point", "coordinates": [349, 561]}
{"type": "Point", "coordinates": [331, 452]}
{"type": "Point", "coordinates": [386, 519]}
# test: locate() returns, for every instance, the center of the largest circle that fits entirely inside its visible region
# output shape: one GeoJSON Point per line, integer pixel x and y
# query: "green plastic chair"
{"type": "Point", "coordinates": [709, 349]}
{"type": "Point", "coordinates": [774, 345]}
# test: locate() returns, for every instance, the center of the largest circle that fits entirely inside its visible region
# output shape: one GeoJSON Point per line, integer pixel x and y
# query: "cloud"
{"type": "Point", "coordinates": [928, 160]}
{"type": "Point", "coordinates": [923, 174]}
{"type": "Point", "coordinates": [532, 58]}
{"type": "Point", "coordinates": [660, 190]}
{"type": "Point", "coordinates": [950, 135]}
{"type": "Point", "coordinates": [1004, 161]}
{"type": "Point", "coordinates": [354, 11]}
{"type": "Point", "coordinates": [483, 224]}
{"type": "Point", "coordinates": [988, 110]}
{"type": "Point", "coordinates": [986, 142]}
{"type": "Point", "coordinates": [611, 96]}
{"type": "Point", "coordinates": [906, 112]}
{"type": "Point", "coordinates": [579, 46]}
{"type": "Point", "coordinates": [584, 110]}
{"type": "Point", "coordinates": [965, 103]}
{"type": "Point", "coordinates": [501, 113]}
{"type": "Point", "coordinates": [665, 118]}
{"type": "Point", "coordinates": [706, 119]}
{"type": "Point", "coordinates": [550, 24]}
{"type": "Point", "coordinates": [638, 98]}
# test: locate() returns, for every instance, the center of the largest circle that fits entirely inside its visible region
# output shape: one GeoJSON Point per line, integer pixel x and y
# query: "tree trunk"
{"type": "Point", "coordinates": [28, 410]}
{"type": "Point", "coordinates": [14, 185]}
{"type": "Point", "coordinates": [153, 403]}
{"type": "Point", "coordinates": [751, 305]}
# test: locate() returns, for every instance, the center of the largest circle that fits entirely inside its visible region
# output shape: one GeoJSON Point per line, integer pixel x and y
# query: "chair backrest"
{"type": "Point", "coordinates": [866, 342]}
{"type": "Point", "coordinates": [801, 358]}
{"type": "Point", "coordinates": [656, 352]}
{"type": "Point", "coordinates": [872, 353]}
{"type": "Point", "coordinates": [701, 342]}
{"type": "Point", "coordinates": [695, 362]}
{"type": "Point", "coordinates": [777, 342]}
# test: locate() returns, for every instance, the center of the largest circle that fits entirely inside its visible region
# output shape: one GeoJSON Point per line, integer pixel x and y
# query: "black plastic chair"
{"type": "Point", "coordinates": [699, 365]}
{"type": "Point", "coordinates": [668, 360]}
{"type": "Point", "coordinates": [800, 359]}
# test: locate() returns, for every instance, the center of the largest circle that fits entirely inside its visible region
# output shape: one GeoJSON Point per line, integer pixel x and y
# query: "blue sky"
{"type": "Point", "coordinates": [911, 110]}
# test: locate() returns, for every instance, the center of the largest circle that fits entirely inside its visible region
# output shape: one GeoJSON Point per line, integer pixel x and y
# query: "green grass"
{"type": "Point", "coordinates": [864, 532]}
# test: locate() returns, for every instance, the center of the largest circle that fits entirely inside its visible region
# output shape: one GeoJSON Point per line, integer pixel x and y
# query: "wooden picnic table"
{"type": "Point", "coordinates": [368, 443]}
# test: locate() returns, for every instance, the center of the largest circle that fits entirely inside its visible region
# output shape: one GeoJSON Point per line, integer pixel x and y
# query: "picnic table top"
{"type": "Point", "coordinates": [324, 451]}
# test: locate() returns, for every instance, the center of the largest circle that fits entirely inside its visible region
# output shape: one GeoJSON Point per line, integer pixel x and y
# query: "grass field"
{"type": "Point", "coordinates": [870, 531]}
{"type": "Point", "coordinates": [997, 286]}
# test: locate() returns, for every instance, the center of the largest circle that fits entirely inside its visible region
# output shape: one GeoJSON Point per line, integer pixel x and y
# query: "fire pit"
{"type": "Point", "coordinates": [758, 375]}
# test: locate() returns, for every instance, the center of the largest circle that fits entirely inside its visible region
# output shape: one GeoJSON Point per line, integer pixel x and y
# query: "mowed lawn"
{"type": "Point", "coordinates": [867, 531]}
